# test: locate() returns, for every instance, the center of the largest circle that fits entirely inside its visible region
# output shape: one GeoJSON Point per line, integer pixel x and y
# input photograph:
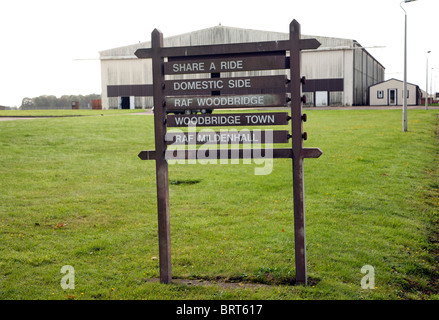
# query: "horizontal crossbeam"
{"type": "Point", "coordinates": [233, 48]}
{"type": "Point", "coordinates": [281, 153]}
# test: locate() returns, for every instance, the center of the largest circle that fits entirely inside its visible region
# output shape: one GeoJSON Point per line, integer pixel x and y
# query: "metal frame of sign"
{"type": "Point", "coordinates": [215, 59]}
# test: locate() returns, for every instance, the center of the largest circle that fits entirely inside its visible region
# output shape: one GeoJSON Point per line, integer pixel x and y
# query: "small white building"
{"type": "Point", "coordinates": [390, 93]}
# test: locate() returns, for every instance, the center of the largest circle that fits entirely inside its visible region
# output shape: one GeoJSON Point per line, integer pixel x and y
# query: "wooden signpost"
{"type": "Point", "coordinates": [221, 93]}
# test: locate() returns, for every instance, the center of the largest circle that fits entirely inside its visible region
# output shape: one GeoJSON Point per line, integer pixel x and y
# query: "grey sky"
{"type": "Point", "coordinates": [41, 39]}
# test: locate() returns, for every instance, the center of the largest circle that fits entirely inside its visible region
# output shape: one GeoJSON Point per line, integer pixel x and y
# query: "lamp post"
{"type": "Point", "coordinates": [426, 85]}
{"type": "Point", "coordinates": [404, 108]}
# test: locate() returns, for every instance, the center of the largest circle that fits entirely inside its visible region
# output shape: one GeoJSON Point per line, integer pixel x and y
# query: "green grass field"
{"type": "Point", "coordinates": [73, 192]}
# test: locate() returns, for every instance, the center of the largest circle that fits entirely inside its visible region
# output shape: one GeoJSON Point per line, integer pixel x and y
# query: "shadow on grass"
{"type": "Point", "coordinates": [184, 182]}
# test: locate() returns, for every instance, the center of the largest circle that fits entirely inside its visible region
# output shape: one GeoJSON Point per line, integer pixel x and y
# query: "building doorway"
{"type": "Point", "coordinates": [392, 97]}
{"type": "Point", "coordinates": [321, 98]}
{"type": "Point", "coordinates": [125, 103]}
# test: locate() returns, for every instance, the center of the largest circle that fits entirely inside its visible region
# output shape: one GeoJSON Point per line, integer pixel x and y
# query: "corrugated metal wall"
{"type": "Point", "coordinates": [333, 66]}
{"type": "Point", "coordinates": [367, 72]}
{"type": "Point", "coordinates": [323, 64]}
{"type": "Point", "coordinates": [120, 66]}
{"type": "Point", "coordinates": [359, 70]}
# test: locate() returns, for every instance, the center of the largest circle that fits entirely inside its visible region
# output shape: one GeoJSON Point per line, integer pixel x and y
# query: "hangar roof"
{"type": "Point", "coordinates": [222, 34]}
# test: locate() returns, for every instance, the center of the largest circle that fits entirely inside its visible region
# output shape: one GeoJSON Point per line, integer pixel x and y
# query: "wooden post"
{"type": "Point", "coordinates": [161, 163]}
{"type": "Point", "coordinates": [297, 144]}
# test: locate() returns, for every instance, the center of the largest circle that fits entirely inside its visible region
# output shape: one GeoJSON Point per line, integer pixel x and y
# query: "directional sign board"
{"type": "Point", "coordinates": [224, 120]}
{"type": "Point", "coordinates": [226, 101]}
{"type": "Point", "coordinates": [219, 91]}
{"type": "Point", "coordinates": [228, 137]}
{"type": "Point", "coordinates": [226, 85]}
{"type": "Point", "coordinates": [270, 61]}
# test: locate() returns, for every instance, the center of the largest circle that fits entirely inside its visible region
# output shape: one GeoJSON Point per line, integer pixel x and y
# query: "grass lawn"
{"type": "Point", "coordinates": [73, 192]}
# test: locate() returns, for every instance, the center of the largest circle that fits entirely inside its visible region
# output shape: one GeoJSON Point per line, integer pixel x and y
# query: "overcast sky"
{"type": "Point", "coordinates": [41, 40]}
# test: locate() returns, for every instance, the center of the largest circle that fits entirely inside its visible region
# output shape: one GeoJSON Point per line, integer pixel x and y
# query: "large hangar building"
{"type": "Point", "coordinates": [338, 73]}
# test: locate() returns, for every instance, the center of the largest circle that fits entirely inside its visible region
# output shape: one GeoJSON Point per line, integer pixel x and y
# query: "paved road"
{"type": "Point", "coordinates": [19, 118]}
{"type": "Point", "coordinates": [149, 112]}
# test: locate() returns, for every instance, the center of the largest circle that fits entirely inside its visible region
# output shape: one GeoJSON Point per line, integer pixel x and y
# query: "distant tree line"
{"type": "Point", "coordinates": [64, 102]}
